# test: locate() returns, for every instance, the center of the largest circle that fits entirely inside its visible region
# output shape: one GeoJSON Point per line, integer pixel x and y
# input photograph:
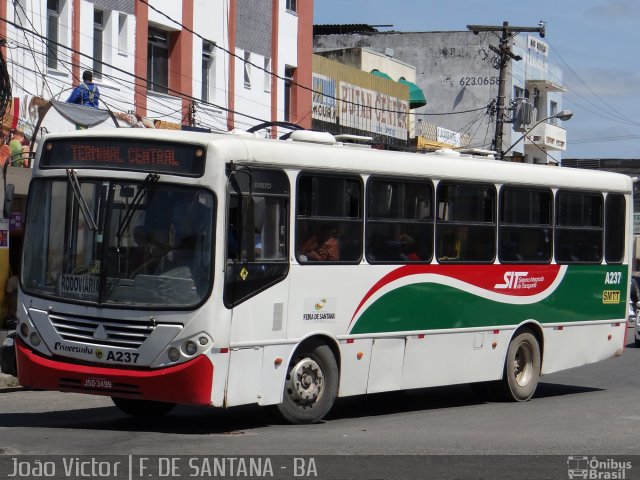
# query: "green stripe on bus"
{"type": "Point", "coordinates": [432, 306]}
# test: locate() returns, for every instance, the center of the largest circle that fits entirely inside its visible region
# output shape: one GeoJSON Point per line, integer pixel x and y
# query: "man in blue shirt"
{"type": "Point", "coordinates": [85, 94]}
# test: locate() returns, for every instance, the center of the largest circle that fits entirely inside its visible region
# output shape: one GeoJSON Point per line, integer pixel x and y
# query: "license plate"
{"type": "Point", "coordinates": [99, 383]}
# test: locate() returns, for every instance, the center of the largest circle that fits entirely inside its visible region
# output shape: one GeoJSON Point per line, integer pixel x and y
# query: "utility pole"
{"type": "Point", "coordinates": [505, 54]}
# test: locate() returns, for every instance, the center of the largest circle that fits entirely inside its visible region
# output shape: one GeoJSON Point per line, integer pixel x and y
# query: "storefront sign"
{"type": "Point", "coordinates": [372, 111]}
{"type": "Point", "coordinates": [324, 98]}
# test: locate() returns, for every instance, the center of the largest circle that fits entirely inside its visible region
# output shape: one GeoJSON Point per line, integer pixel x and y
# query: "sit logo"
{"type": "Point", "coordinates": [510, 280]}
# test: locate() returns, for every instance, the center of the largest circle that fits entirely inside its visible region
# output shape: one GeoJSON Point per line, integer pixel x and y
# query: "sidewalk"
{"type": "Point", "coordinates": [7, 382]}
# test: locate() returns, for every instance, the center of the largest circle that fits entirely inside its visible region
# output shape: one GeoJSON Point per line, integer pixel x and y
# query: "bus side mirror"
{"type": "Point", "coordinates": [8, 199]}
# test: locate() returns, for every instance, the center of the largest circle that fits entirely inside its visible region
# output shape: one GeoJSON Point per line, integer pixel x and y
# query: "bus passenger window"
{"type": "Point", "coordinates": [579, 232]}
{"type": "Point", "coordinates": [614, 227]}
{"type": "Point", "coordinates": [329, 219]}
{"type": "Point", "coordinates": [466, 225]}
{"type": "Point", "coordinates": [525, 233]}
{"type": "Point", "coordinates": [399, 225]}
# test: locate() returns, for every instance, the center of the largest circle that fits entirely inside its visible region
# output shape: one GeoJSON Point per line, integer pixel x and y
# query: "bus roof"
{"type": "Point", "coordinates": [247, 148]}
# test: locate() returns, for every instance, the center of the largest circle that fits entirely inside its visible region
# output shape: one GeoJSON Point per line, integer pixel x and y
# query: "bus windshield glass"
{"type": "Point", "coordinates": [136, 244]}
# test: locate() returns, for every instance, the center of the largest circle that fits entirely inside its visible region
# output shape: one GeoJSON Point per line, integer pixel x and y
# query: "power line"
{"type": "Point", "coordinates": [288, 80]}
{"type": "Point", "coordinates": [613, 110]}
{"type": "Point", "coordinates": [137, 77]}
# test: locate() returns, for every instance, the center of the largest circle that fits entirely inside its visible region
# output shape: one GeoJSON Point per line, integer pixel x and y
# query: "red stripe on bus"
{"type": "Point", "coordinates": [186, 383]}
{"type": "Point", "coordinates": [523, 281]}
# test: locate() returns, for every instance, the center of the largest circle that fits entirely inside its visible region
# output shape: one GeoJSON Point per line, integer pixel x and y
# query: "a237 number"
{"type": "Point", "coordinates": [613, 278]}
{"type": "Point", "coordinates": [123, 357]}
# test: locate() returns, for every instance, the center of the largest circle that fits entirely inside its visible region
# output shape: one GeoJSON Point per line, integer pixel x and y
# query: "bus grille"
{"type": "Point", "coordinates": [111, 333]}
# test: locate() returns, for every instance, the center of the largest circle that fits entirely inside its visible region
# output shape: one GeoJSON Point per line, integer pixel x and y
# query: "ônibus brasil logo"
{"type": "Point", "coordinates": [593, 468]}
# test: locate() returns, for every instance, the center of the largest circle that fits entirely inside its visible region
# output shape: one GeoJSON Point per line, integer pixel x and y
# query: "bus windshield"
{"type": "Point", "coordinates": [135, 244]}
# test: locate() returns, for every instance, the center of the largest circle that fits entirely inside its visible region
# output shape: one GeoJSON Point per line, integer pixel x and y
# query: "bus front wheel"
{"type": "Point", "coordinates": [142, 408]}
{"type": "Point", "coordinates": [311, 385]}
{"type": "Point", "coordinates": [522, 367]}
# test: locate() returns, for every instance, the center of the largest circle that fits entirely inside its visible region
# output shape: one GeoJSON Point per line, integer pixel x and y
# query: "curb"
{"type": "Point", "coordinates": [8, 383]}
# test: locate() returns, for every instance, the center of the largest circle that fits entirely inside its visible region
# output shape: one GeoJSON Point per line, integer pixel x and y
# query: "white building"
{"type": "Point", "coordinates": [218, 64]}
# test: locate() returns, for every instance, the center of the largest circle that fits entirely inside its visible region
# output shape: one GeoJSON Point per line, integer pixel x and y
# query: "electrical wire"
{"type": "Point", "coordinates": [288, 80]}
{"type": "Point", "coordinates": [137, 77]}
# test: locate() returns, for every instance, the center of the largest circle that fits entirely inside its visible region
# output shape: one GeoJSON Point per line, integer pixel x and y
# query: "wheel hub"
{"type": "Point", "coordinates": [306, 381]}
{"type": "Point", "coordinates": [522, 364]}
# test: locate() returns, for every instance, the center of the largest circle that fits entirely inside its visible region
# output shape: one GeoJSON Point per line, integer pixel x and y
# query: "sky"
{"type": "Point", "coordinates": [594, 42]}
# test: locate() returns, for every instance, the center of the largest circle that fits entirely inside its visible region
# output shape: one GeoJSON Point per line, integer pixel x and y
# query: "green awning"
{"type": "Point", "coordinates": [416, 95]}
{"type": "Point", "coordinates": [380, 74]}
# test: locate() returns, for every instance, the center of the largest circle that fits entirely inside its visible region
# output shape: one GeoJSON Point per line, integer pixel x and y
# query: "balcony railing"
{"type": "Point", "coordinates": [547, 137]}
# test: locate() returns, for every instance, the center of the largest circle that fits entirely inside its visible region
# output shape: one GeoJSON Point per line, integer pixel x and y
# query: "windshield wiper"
{"type": "Point", "coordinates": [77, 193]}
{"type": "Point", "coordinates": [149, 181]}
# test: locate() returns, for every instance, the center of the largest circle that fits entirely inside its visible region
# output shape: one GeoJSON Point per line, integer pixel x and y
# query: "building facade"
{"type": "Point", "coordinates": [349, 100]}
{"type": "Point", "coordinates": [458, 75]}
{"type": "Point", "coordinates": [217, 64]}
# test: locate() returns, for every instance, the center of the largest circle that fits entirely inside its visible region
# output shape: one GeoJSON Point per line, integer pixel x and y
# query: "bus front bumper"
{"type": "Point", "coordinates": [186, 383]}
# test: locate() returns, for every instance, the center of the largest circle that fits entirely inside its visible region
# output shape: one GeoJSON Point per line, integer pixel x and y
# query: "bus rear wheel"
{"type": "Point", "coordinates": [522, 367]}
{"type": "Point", "coordinates": [311, 385]}
{"type": "Point", "coordinates": [142, 408]}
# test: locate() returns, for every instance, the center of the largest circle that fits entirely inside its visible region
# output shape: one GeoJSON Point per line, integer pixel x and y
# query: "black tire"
{"type": "Point", "coordinates": [637, 343]}
{"type": "Point", "coordinates": [142, 408]}
{"type": "Point", "coordinates": [311, 385]}
{"type": "Point", "coordinates": [521, 368]}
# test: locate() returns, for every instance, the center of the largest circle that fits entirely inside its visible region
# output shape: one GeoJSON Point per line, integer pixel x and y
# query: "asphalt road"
{"type": "Point", "coordinates": [591, 410]}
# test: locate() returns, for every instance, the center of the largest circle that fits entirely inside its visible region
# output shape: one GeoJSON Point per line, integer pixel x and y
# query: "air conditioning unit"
{"type": "Point", "coordinates": [523, 114]}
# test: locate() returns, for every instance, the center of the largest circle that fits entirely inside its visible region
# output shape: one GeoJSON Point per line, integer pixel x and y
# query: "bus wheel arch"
{"type": "Point", "coordinates": [523, 363]}
{"type": "Point", "coordinates": [311, 382]}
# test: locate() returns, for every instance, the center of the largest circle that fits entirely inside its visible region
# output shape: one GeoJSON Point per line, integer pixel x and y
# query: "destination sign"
{"type": "Point", "coordinates": [124, 154]}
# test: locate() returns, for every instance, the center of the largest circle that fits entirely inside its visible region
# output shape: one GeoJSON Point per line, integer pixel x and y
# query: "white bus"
{"type": "Point", "coordinates": [165, 268]}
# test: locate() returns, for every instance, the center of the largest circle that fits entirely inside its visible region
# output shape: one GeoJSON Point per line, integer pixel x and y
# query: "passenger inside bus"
{"type": "Point", "coordinates": [322, 245]}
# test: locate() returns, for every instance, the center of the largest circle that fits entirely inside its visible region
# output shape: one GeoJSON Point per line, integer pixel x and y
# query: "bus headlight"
{"type": "Point", "coordinates": [174, 354]}
{"type": "Point", "coordinates": [190, 348]}
{"type": "Point", "coordinates": [34, 338]}
{"type": "Point", "coordinates": [24, 330]}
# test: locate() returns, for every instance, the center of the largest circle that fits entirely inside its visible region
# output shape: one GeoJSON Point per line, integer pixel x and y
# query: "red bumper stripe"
{"type": "Point", "coordinates": [187, 383]}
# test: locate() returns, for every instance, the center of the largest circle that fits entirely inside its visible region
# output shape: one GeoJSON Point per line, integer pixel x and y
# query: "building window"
{"type": "Point", "coordinates": [53, 22]}
{"type": "Point", "coordinates": [158, 61]}
{"type": "Point", "coordinates": [19, 12]}
{"type": "Point", "coordinates": [122, 32]}
{"type": "Point", "coordinates": [208, 71]}
{"type": "Point", "coordinates": [267, 74]}
{"type": "Point", "coordinates": [247, 70]}
{"type": "Point", "coordinates": [98, 40]}
{"type": "Point", "coordinates": [518, 92]}
{"type": "Point", "coordinates": [289, 73]}
{"type": "Point", "coordinates": [291, 6]}
{"type": "Point", "coordinates": [553, 110]}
